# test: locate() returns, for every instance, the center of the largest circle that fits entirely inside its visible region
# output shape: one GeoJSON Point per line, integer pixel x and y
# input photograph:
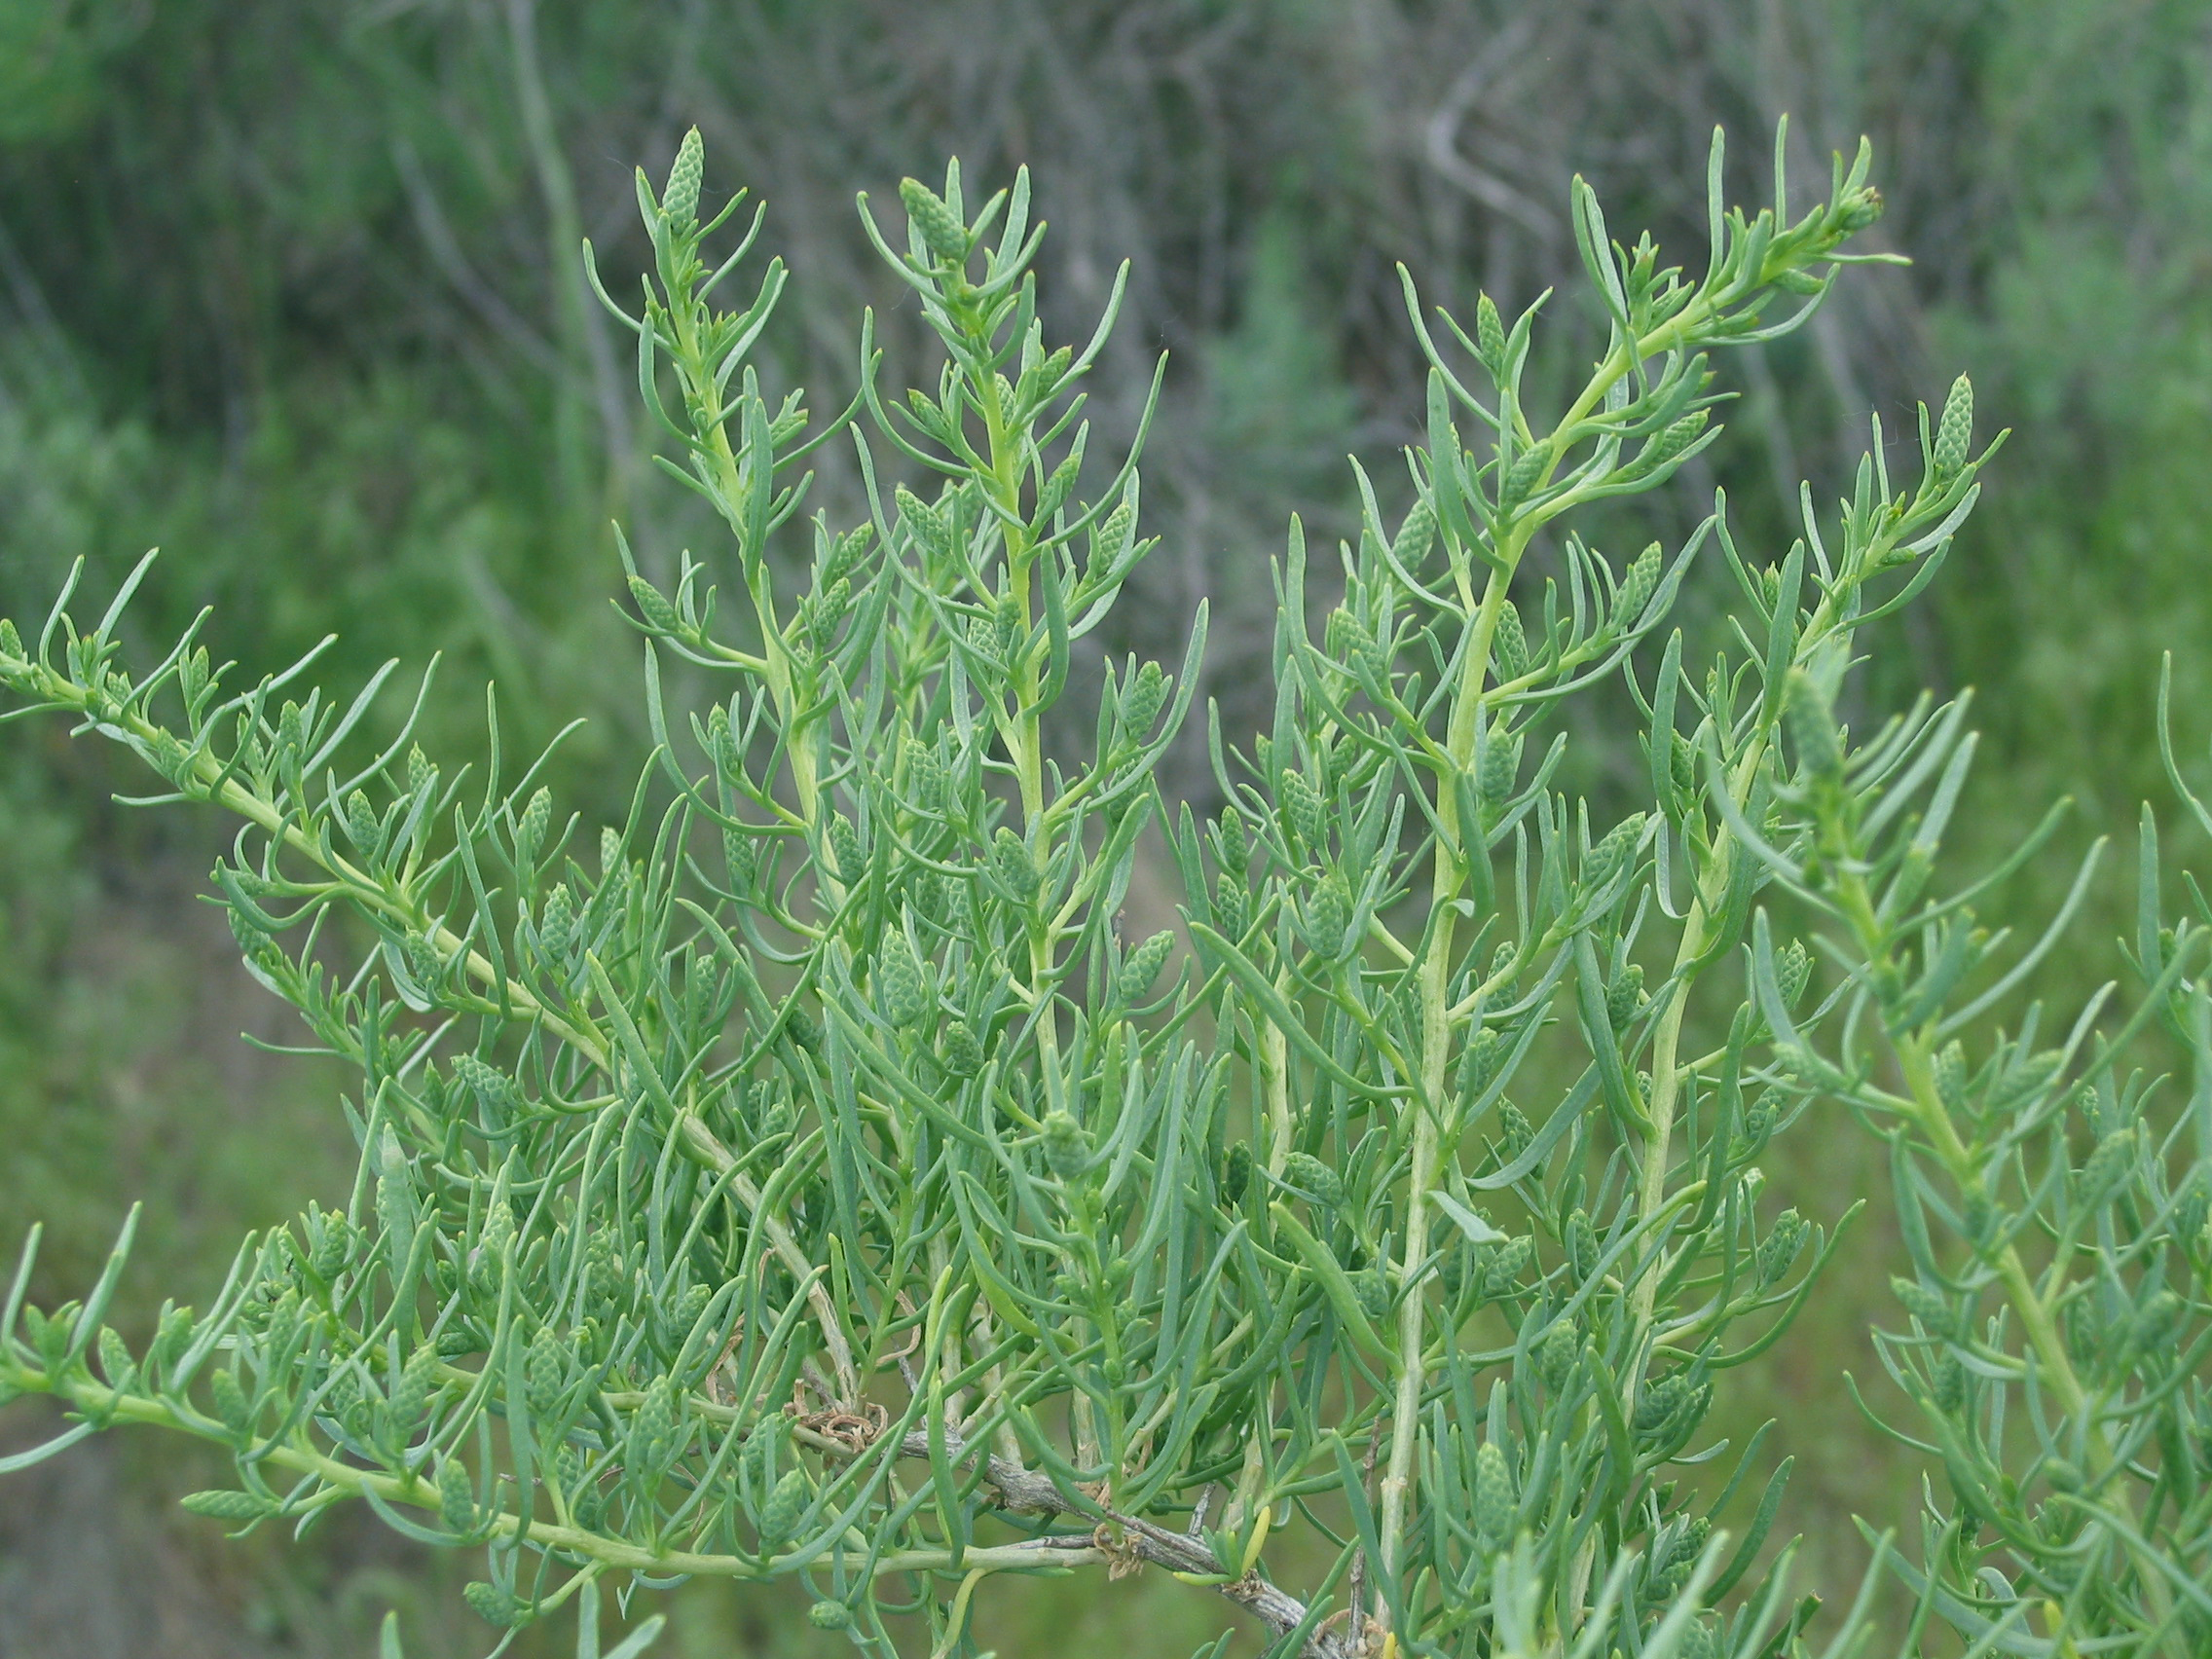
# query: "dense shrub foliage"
{"type": "Point", "coordinates": [810, 1181]}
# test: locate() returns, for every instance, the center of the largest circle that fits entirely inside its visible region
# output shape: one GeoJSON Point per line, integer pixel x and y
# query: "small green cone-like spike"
{"type": "Point", "coordinates": [1371, 1287]}
{"type": "Point", "coordinates": [1302, 804]}
{"type": "Point", "coordinates": [652, 1430]}
{"type": "Point", "coordinates": [1109, 540]}
{"type": "Point", "coordinates": [1067, 1148]}
{"type": "Point", "coordinates": [1317, 1180]}
{"type": "Point", "coordinates": [1011, 863]}
{"type": "Point", "coordinates": [1494, 1495]}
{"type": "Point", "coordinates": [1955, 430]}
{"type": "Point", "coordinates": [1328, 912]}
{"type": "Point", "coordinates": [923, 523]}
{"type": "Point", "coordinates": [899, 980]}
{"type": "Point", "coordinates": [456, 1497]}
{"type": "Point", "coordinates": [780, 1515]}
{"type": "Point", "coordinates": [943, 233]}
{"type": "Point", "coordinates": [1671, 443]}
{"type": "Point", "coordinates": [529, 829]}
{"type": "Point", "coordinates": [1509, 643]}
{"type": "Point", "coordinates": [557, 922]}
{"type": "Point", "coordinates": [1522, 476]}
{"type": "Point", "coordinates": [492, 1604]}
{"type": "Point", "coordinates": [2107, 1165]}
{"type": "Point", "coordinates": [1780, 1249]}
{"type": "Point", "coordinates": [222, 1505]}
{"type": "Point", "coordinates": [680, 200]}
{"type": "Point", "coordinates": [1951, 1074]}
{"type": "Point", "coordinates": [1792, 969]}
{"type": "Point", "coordinates": [1236, 1173]}
{"type": "Point", "coordinates": [1580, 1239]}
{"type": "Point", "coordinates": [1142, 702]}
{"type": "Point", "coordinates": [1637, 588]}
{"type": "Point", "coordinates": [963, 1054]}
{"type": "Point", "coordinates": [1500, 769]}
{"type": "Point", "coordinates": [230, 1403]}
{"type": "Point", "coordinates": [1625, 995]}
{"type": "Point", "coordinates": [1231, 904]}
{"type": "Point", "coordinates": [654, 606]}
{"type": "Point", "coordinates": [546, 1370]}
{"type": "Point", "coordinates": [1949, 1386]}
{"type": "Point", "coordinates": [1416, 535]}
{"type": "Point", "coordinates": [1810, 725]}
{"type": "Point", "coordinates": [1480, 1061]}
{"type": "Point", "coordinates": [1930, 1307]}
{"type": "Point", "coordinates": [1235, 844]}
{"type": "Point", "coordinates": [411, 1398]}
{"type": "Point", "coordinates": [1143, 967]}
{"type": "Point", "coordinates": [1611, 852]}
{"type": "Point", "coordinates": [1556, 1359]}
{"type": "Point", "coordinates": [850, 862]}
{"type": "Point", "coordinates": [1490, 332]}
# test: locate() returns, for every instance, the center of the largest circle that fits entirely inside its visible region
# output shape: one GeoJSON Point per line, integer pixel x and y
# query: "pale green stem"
{"type": "Point", "coordinates": [1028, 737]}
{"type": "Point", "coordinates": [2056, 1372]}
{"type": "Point", "coordinates": [1666, 1074]}
{"type": "Point", "coordinates": [1027, 743]}
{"type": "Point", "coordinates": [698, 375]}
{"type": "Point", "coordinates": [1452, 862]}
{"type": "Point", "coordinates": [1274, 1082]}
{"type": "Point", "coordinates": [111, 1405]}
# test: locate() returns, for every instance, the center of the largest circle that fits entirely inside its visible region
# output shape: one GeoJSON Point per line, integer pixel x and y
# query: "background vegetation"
{"type": "Point", "coordinates": [290, 289]}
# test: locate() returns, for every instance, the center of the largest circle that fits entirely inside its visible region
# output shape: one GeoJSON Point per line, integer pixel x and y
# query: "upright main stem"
{"type": "Point", "coordinates": [712, 425]}
{"type": "Point", "coordinates": [1666, 1076]}
{"type": "Point", "coordinates": [1025, 735]}
{"type": "Point", "coordinates": [1453, 858]}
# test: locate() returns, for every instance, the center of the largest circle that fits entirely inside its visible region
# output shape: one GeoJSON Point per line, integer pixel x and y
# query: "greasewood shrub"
{"type": "Point", "coordinates": [807, 1179]}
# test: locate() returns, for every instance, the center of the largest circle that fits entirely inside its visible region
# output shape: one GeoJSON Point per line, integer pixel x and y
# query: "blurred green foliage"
{"type": "Point", "coordinates": [245, 314]}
